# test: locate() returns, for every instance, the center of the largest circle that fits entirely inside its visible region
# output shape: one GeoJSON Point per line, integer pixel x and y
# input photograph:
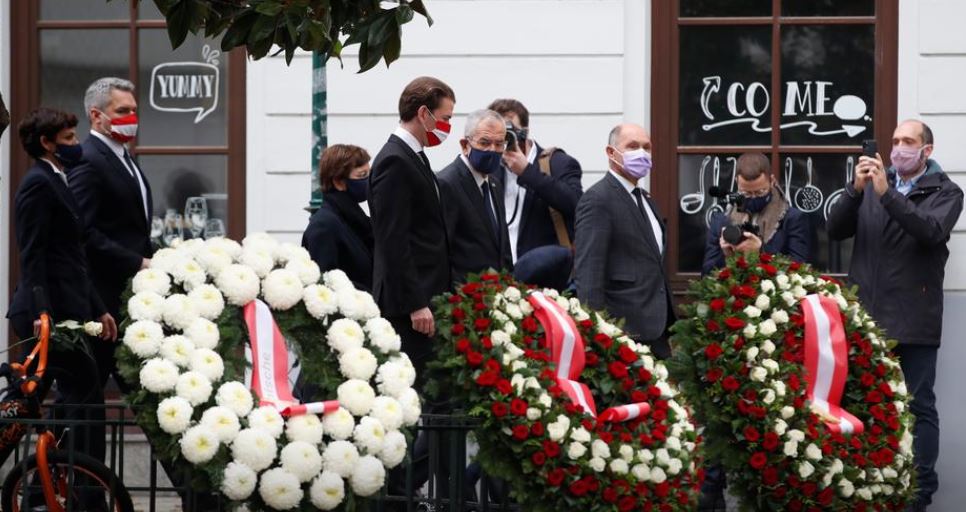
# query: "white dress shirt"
{"type": "Point", "coordinates": [57, 171]}
{"type": "Point", "coordinates": [655, 225]}
{"type": "Point", "coordinates": [415, 145]}
{"type": "Point", "coordinates": [119, 150]}
{"type": "Point", "coordinates": [514, 196]}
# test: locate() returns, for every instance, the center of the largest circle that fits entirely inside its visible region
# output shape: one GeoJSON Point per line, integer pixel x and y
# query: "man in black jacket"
{"type": "Point", "coordinates": [529, 194]}
{"type": "Point", "coordinates": [901, 219]}
{"type": "Point", "coordinates": [473, 201]}
{"type": "Point", "coordinates": [115, 199]}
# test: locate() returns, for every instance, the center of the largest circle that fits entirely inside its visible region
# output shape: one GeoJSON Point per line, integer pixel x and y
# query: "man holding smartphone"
{"type": "Point", "coordinates": [901, 218]}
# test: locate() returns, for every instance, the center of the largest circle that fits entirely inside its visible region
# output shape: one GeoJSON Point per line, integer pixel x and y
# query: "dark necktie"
{"type": "Point", "coordinates": [130, 166]}
{"type": "Point", "coordinates": [422, 156]}
{"type": "Point", "coordinates": [648, 229]}
{"type": "Point", "coordinates": [133, 170]}
{"type": "Point", "coordinates": [488, 206]}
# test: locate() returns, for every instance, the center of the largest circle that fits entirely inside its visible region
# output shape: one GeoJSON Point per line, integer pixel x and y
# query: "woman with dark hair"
{"type": "Point", "coordinates": [339, 235]}
{"type": "Point", "coordinates": [50, 236]}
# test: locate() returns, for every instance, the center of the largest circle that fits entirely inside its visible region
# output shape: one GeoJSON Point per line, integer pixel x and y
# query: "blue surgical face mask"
{"type": "Point", "coordinates": [69, 155]}
{"type": "Point", "coordinates": [756, 204]}
{"type": "Point", "coordinates": [358, 189]}
{"type": "Point", "coordinates": [484, 162]}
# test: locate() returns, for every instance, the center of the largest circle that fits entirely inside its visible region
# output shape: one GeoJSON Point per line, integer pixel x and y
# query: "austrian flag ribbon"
{"type": "Point", "coordinates": [270, 365]}
{"type": "Point", "coordinates": [567, 352]}
{"type": "Point", "coordinates": [827, 363]}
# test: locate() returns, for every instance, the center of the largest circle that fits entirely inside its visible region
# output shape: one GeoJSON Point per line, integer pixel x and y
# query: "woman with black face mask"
{"type": "Point", "coordinates": [339, 235]}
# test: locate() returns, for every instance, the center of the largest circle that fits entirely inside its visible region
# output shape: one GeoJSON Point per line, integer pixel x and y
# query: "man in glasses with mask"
{"type": "Point", "coordinates": [473, 200]}
{"type": "Point", "coordinates": [901, 219]}
{"type": "Point", "coordinates": [781, 228]}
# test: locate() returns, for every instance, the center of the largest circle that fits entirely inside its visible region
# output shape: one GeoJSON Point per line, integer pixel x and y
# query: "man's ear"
{"type": "Point", "coordinates": [927, 151]}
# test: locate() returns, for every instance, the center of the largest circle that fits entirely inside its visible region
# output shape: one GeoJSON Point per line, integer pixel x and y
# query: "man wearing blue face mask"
{"type": "Point", "coordinates": [782, 229]}
{"type": "Point", "coordinates": [473, 201]}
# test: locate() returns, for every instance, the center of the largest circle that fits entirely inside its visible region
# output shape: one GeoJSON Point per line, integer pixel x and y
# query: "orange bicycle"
{"type": "Point", "coordinates": [51, 479]}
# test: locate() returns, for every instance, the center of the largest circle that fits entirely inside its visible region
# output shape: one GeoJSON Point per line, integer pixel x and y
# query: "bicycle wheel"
{"type": "Point", "coordinates": [92, 480]}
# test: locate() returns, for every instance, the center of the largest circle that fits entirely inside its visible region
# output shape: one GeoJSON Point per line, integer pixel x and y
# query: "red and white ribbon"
{"type": "Point", "coordinates": [270, 365]}
{"type": "Point", "coordinates": [567, 352]}
{"type": "Point", "coordinates": [827, 363]}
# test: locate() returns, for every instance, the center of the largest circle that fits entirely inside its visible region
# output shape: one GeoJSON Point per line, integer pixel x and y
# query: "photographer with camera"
{"type": "Point", "coordinates": [759, 218]}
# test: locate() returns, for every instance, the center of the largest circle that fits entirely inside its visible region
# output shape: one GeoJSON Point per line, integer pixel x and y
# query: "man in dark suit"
{"type": "Point", "coordinates": [115, 198]}
{"type": "Point", "coordinates": [473, 201]}
{"type": "Point", "coordinates": [620, 243]}
{"type": "Point", "coordinates": [529, 193]}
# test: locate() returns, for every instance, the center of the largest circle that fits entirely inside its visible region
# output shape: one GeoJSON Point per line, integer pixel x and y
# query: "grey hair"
{"type": "Point", "coordinates": [98, 94]}
{"type": "Point", "coordinates": [614, 134]}
{"type": "Point", "coordinates": [478, 117]}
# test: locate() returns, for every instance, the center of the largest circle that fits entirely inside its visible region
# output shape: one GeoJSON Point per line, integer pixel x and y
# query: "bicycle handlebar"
{"type": "Point", "coordinates": [30, 384]}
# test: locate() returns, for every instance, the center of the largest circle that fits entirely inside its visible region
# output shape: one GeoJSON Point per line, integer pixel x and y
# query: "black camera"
{"type": "Point", "coordinates": [734, 234]}
{"type": "Point", "coordinates": [515, 139]}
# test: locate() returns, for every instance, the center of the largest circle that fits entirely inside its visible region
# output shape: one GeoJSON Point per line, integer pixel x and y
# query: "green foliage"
{"type": "Point", "coordinates": [323, 26]}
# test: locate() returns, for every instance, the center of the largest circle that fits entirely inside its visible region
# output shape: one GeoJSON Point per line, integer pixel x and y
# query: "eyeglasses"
{"type": "Point", "coordinates": [755, 193]}
{"type": "Point", "coordinates": [484, 143]}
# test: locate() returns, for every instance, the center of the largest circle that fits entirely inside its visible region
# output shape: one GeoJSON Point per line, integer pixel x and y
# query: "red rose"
{"type": "Point", "coordinates": [537, 429]}
{"type": "Point", "coordinates": [490, 277]}
{"type": "Point", "coordinates": [730, 383]}
{"type": "Point", "coordinates": [482, 324]}
{"type": "Point", "coordinates": [453, 299]}
{"type": "Point", "coordinates": [504, 386]}
{"type": "Point", "coordinates": [603, 340]}
{"type": "Point", "coordinates": [626, 504]}
{"type": "Point", "coordinates": [529, 324]}
{"type": "Point", "coordinates": [626, 354]}
{"type": "Point", "coordinates": [764, 257]}
{"type": "Point", "coordinates": [717, 305]}
{"type": "Point", "coordinates": [724, 274]}
{"type": "Point", "coordinates": [578, 488]}
{"type": "Point", "coordinates": [873, 397]}
{"type": "Point", "coordinates": [643, 375]}
{"type": "Point", "coordinates": [712, 326]}
{"type": "Point", "coordinates": [713, 375]}
{"type": "Point", "coordinates": [758, 460]}
{"type": "Point", "coordinates": [712, 351]}
{"type": "Point", "coordinates": [794, 266]}
{"type": "Point", "coordinates": [739, 343]}
{"type": "Point", "coordinates": [638, 396]}
{"type": "Point", "coordinates": [521, 432]}
{"type": "Point", "coordinates": [617, 369]}
{"type": "Point", "coordinates": [794, 383]}
{"type": "Point", "coordinates": [499, 409]}
{"type": "Point", "coordinates": [555, 477]}
{"type": "Point", "coordinates": [474, 358]}
{"type": "Point", "coordinates": [538, 458]}
{"type": "Point", "coordinates": [769, 269]}
{"type": "Point", "coordinates": [518, 407]}
{"type": "Point", "coordinates": [458, 314]}
{"type": "Point", "coordinates": [551, 448]}
{"type": "Point", "coordinates": [769, 476]}
{"type": "Point", "coordinates": [457, 329]}
{"type": "Point", "coordinates": [586, 324]}
{"type": "Point", "coordinates": [489, 378]}
{"type": "Point", "coordinates": [751, 434]}
{"type": "Point", "coordinates": [487, 343]}
{"type": "Point", "coordinates": [492, 365]}
{"type": "Point", "coordinates": [734, 323]}
{"type": "Point", "coordinates": [471, 288]}
{"type": "Point", "coordinates": [867, 379]}
{"type": "Point", "coordinates": [462, 345]}
{"type": "Point", "coordinates": [741, 262]}
{"type": "Point", "coordinates": [610, 495]}
{"type": "Point", "coordinates": [591, 358]}
{"type": "Point", "coordinates": [770, 441]}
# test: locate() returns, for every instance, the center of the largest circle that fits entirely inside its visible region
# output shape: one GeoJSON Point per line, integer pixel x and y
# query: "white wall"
{"type": "Point", "coordinates": [5, 169]}
{"type": "Point", "coordinates": [580, 67]}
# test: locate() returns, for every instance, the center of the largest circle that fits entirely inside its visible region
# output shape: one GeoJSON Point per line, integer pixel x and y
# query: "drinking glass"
{"type": "Point", "coordinates": [214, 228]}
{"type": "Point", "coordinates": [173, 227]}
{"type": "Point", "coordinates": [195, 215]}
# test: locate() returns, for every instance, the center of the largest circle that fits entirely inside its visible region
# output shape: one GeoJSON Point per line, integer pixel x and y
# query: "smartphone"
{"type": "Point", "coordinates": [511, 139]}
{"type": "Point", "coordinates": [869, 148]}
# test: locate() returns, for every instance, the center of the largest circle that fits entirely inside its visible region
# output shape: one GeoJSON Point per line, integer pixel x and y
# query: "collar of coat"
{"type": "Point", "coordinates": [769, 219]}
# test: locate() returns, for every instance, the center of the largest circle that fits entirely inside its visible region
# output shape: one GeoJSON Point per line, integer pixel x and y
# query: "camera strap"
{"type": "Point", "coordinates": [559, 225]}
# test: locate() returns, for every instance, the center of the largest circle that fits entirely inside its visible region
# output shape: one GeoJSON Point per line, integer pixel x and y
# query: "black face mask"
{"type": "Point", "coordinates": [756, 204]}
{"type": "Point", "coordinates": [358, 189]}
{"type": "Point", "coordinates": [69, 155]}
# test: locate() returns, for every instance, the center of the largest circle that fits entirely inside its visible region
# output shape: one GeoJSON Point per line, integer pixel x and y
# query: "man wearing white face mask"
{"type": "Point", "coordinates": [901, 219]}
{"type": "Point", "coordinates": [620, 243]}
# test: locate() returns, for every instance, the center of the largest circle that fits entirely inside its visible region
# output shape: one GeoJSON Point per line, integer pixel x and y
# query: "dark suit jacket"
{"type": "Point", "coordinates": [339, 236]}
{"type": "Point", "coordinates": [793, 238]}
{"type": "Point", "coordinates": [411, 261]}
{"type": "Point", "coordinates": [474, 245]}
{"type": "Point", "coordinates": [618, 268]}
{"type": "Point", "coordinates": [561, 190]}
{"type": "Point", "coordinates": [50, 237]}
{"type": "Point", "coordinates": [118, 235]}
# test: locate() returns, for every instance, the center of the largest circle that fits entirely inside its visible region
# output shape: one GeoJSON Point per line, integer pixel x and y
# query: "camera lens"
{"type": "Point", "coordinates": [733, 234]}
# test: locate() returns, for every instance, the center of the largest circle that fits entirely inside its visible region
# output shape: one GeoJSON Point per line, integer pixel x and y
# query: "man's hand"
{"type": "Point", "coordinates": [865, 171]}
{"type": "Point", "coordinates": [110, 327]}
{"type": "Point", "coordinates": [145, 263]}
{"type": "Point", "coordinates": [726, 248]}
{"type": "Point", "coordinates": [880, 183]}
{"type": "Point", "coordinates": [515, 160]}
{"type": "Point", "coordinates": [423, 321]}
{"type": "Point", "coordinates": [751, 244]}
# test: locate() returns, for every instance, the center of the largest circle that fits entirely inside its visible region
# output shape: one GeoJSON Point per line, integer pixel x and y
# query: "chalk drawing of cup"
{"type": "Point", "coordinates": [809, 198]}
{"type": "Point", "coordinates": [835, 196]}
{"type": "Point", "coordinates": [693, 203]}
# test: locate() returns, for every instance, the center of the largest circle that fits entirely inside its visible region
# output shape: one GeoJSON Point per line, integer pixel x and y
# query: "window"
{"type": "Point", "coordinates": [802, 81]}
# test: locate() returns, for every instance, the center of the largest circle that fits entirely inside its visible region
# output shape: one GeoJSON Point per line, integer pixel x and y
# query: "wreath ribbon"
{"type": "Point", "coordinates": [270, 365]}
{"type": "Point", "coordinates": [567, 352]}
{"type": "Point", "coordinates": [827, 363]}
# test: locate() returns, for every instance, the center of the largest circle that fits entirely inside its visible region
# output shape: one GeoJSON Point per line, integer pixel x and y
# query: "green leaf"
{"type": "Point", "coordinates": [404, 14]}
{"type": "Point", "coordinates": [179, 22]}
{"type": "Point", "coordinates": [269, 8]}
{"type": "Point", "coordinates": [238, 32]}
{"type": "Point", "coordinates": [418, 6]}
{"type": "Point", "coordinates": [393, 47]}
{"type": "Point", "coordinates": [263, 28]}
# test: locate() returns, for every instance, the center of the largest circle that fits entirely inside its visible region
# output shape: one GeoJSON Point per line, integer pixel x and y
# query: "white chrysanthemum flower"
{"type": "Point", "coordinates": [369, 435]}
{"type": "Point", "coordinates": [259, 260]}
{"type": "Point", "coordinates": [412, 407]}
{"type": "Point", "coordinates": [254, 448]}
{"type": "Point", "coordinates": [145, 306]}
{"type": "Point", "coordinates": [304, 427]}
{"type": "Point", "coordinates": [193, 387]}
{"type": "Point", "coordinates": [280, 489]}
{"type": "Point", "coordinates": [356, 304]}
{"type": "Point", "coordinates": [158, 375]}
{"type": "Point", "coordinates": [177, 349]}
{"type": "Point", "coordinates": [393, 449]}
{"type": "Point", "coordinates": [189, 273]}
{"type": "Point", "coordinates": [165, 259]}
{"type": "Point", "coordinates": [229, 246]}
{"type": "Point", "coordinates": [389, 411]}
{"type": "Point", "coordinates": [358, 363]}
{"type": "Point", "coordinates": [239, 481]}
{"type": "Point", "coordinates": [345, 334]}
{"type": "Point", "coordinates": [236, 397]}
{"type": "Point", "coordinates": [307, 270]}
{"type": "Point", "coordinates": [282, 289]}
{"type": "Point", "coordinates": [239, 283]}
{"type": "Point", "coordinates": [199, 445]}
{"type": "Point", "coordinates": [174, 414]}
{"type": "Point", "coordinates": [287, 252]}
{"type": "Point", "coordinates": [393, 378]}
{"type": "Point", "coordinates": [260, 239]}
{"type": "Point", "coordinates": [302, 460]}
{"type": "Point", "coordinates": [382, 335]}
{"type": "Point", "coordinates": [213, 259]}
{"type": "Point", "coordinates": [178, 311]}
{"type": "Point", "coordinates": [337, 280]}
{"type": "Point", "coordinates": [151, 280]}
{"type": "Point", "coordinates": [338, 424]}
{"type": "Point", "coordinates": [368, 476]}
{"type": "Point", "coordinates": [268, 419]}
{"type": "Point", "coordinates": [191, 247]}
{"type": "Point", "coordinates": [208, 363]}
{"type": "Point", "coordinates": [203, 333]}
{"type": "Point", "coordinates": [340, 457]}
{"type": "Point", "coordinates": [207, 300]}
{"type": "Point", "coordinates": [320, 301]}
{"type": "Point", "coordinates": [357, 396]}
{"type": "Point", "coordinates": [223, 422]}
{"type": "Point", "coordinates": [327, 491]}
{"type": "Point", "coordinates": [144, 337]}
